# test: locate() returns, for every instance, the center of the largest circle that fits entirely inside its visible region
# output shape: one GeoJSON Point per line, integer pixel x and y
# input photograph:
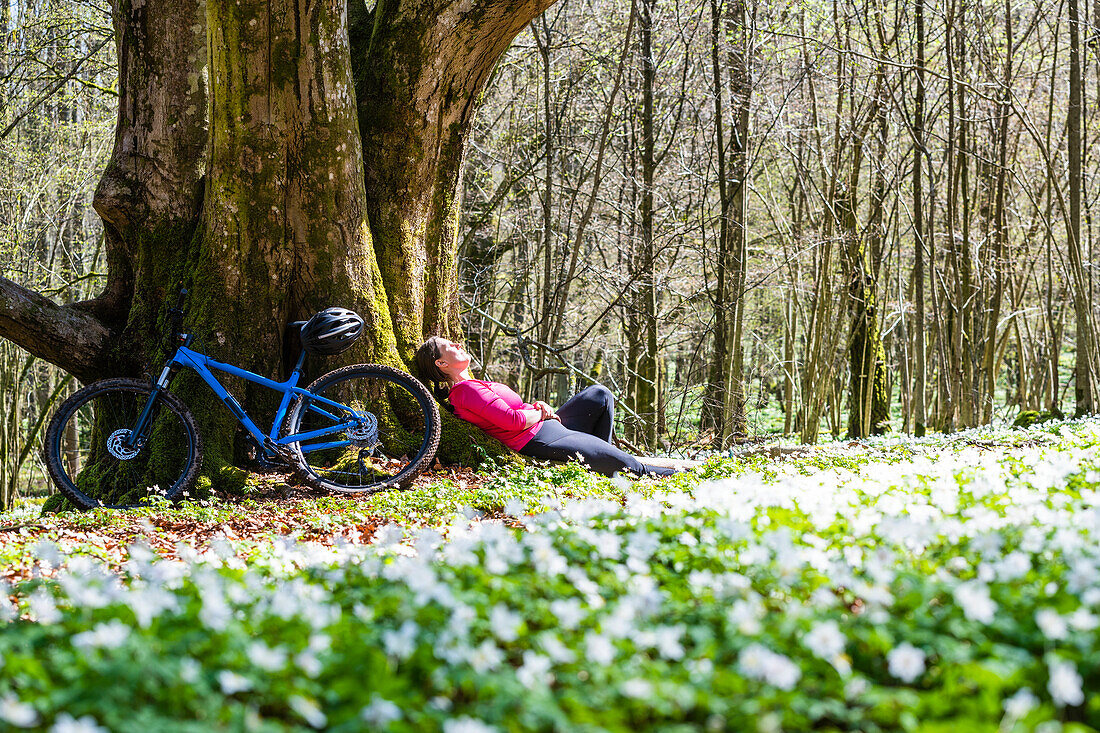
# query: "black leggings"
{"type": "Point", "coordinates": [584, 434]}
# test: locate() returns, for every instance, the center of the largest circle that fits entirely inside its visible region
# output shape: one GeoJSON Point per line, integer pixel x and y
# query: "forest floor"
{"type": "Point", "coordinates": [269, 508]}
{"type": "Point", "coordinates": [851, 586]}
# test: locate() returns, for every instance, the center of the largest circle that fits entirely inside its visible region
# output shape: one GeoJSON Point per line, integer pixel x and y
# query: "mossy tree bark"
{"type": "Point", "coordinates": [420, 66]}
{"type": "Point", "coordinates": [149, 196]}
{"type": "Point", "coordinates": [284, 231]}
{"type": "Point", "coordinates": [238, 170]}
{"type": "Point", "coordinates": [869, 405]}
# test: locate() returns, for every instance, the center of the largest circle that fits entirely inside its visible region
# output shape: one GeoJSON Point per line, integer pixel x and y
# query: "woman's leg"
{"type": "Point", "coordinates": [592, 411]}
{"type": "Point", "coordinates": [555, 442]}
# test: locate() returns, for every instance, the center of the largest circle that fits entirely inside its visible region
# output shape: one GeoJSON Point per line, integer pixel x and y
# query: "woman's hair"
{"type": "Point", "coordinates": [430, 371]}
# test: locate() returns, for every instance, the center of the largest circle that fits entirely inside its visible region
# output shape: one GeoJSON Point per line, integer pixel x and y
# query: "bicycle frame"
{"type": "Point", "coordinates": [202, 365]}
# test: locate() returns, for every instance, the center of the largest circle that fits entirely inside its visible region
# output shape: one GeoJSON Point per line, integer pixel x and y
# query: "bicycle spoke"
{"type": "Point", "coordinates": [394, 435]}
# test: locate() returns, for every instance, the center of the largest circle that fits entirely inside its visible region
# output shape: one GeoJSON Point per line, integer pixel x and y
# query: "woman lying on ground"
{"type": "Point", "coordinates": [580, 428]}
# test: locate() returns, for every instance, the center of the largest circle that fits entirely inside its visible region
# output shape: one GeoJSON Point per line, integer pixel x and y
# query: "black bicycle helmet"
{"type": "Point", "coordinates": [331, 331]}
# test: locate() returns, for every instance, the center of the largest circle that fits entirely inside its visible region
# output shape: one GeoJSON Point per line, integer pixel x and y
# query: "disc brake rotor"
{"type": "Point", "coordinates": [116, 445]}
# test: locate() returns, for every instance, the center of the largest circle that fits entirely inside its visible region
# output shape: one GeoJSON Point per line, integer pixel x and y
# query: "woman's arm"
{"type": "Point", "coordinates": [531, 417]}
{"type": "Point", "coordinates": [491, 407]}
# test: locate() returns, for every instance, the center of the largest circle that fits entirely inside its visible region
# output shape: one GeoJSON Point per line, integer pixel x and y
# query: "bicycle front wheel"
{"type": "Point", "coordinates": [371, 428]}
{"type": "Point", "coordinates": [94, 461]}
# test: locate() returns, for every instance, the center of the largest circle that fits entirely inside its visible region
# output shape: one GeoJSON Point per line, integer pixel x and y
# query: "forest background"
{"type": "Point", "coordinates": [810, 219]}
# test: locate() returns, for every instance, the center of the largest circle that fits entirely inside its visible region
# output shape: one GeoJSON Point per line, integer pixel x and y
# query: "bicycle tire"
{"type": "Point", "coordinates": [80, 455]}
{"type": "Point", "coordinates": [407, 429]}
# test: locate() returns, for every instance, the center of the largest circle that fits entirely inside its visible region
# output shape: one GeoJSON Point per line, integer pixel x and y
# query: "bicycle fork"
{"type": "Point", "coordinates": [132, 444]}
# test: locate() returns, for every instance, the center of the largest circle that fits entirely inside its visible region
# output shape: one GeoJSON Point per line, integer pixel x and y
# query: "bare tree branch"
{"type": "Point", "coordinates": [66, 336]}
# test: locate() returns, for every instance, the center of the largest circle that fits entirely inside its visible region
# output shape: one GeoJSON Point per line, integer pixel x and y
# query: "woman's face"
{"type": "Point", "coordinates": [453, 359]}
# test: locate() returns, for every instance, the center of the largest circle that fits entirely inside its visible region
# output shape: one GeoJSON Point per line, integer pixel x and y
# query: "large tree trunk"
{"type": "Point", "coordinates": [284, 230]}
{"type": "Point", "coordinates": [149, 197]}
{"type": "Point", "coordinates": [419, 69]}
{"type": "Point", "coordinates": [252, 192]}
{"type": "Point", "coordinates": [151, 192]}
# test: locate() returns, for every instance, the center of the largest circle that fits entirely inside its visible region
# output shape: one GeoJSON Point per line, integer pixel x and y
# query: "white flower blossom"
{"type": "Point", "coordinates": [825, 640]}
{"type": "Point", "coordinates": [467, 725]}
{"type": "Point", "coordinates": [309, 711]}
{"type": "Point", "coordinates": [486, 656]}
{"type": "Point", "coordinates": [637, 688]}
{"type": "Point", "coordinates": [568, 612]}
{"type": "Point", "coordinates": [758, 662]}
{"type": "Point", "coordinates": [608, 545]}
{"type": "Point", "coordinates": [401, 643]}
{"type": "Point", "coordinates": [17, 713]}
{"type": "Point", "coordinates": [667, 642]}
{"type": "Point", "coordinates": [264, 657]}
{"type": "Point", "coordinates": [1013, 566]}
{"type": "Point", "coordinates": [599, 649]}
{"type": "Point", "coordinates": [1020, 704]}
{"type": "Point", "coordinates": [215, 612]}
{"type": "Point", "coordinates": [1083, 620]}
{"type": "Point", "coordinates": [556, 649]}
{"type": "Point", "coordinates": [1065, 683]}
{"type": "Point", "coordinates": [190, 671]}
{"type": "Point", "coordinates": [1052, 624]}
{"type": "Point", "coordinates": [620, 623]}
{"type": "Point", "coordinates": [973, 598]}
{"type": "Point", "coordinates": [65, 723]}
{"type": "Point", "coordinates": [231, 683]}
{"type": "Point", "coordinates": [48, 553]}
{"type": "Point", "coordinates": [535, 670]}
{"type": "Point", "coordinates": [906, 662]}
{"type": "Point", "coordinates": [43, 608]}
{"type": "Point", "coordinates": [380, 712]}
{"type": "Point", "coordinates": [745, 615]}
{"type": "Point", "coordinates": [148, 603]}
{"type": "Point", "coordinates": [505, 623]}
{"type": "Point", "coordinates": [108, 635]}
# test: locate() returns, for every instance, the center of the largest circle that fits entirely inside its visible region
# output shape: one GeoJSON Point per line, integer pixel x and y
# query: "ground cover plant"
{"type": "Point", "coordinates": [947, 583]}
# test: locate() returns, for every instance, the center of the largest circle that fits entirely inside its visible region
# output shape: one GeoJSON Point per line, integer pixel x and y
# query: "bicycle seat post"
{"type": "Point", "coordinates": [297, 372]}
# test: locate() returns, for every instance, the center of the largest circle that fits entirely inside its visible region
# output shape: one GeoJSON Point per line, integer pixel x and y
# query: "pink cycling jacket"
{"type": "Point", "coordinates": [494, 408]}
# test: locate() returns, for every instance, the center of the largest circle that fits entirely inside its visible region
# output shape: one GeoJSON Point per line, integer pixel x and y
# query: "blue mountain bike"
{"type": "Point", "coordinates": [359, 429]}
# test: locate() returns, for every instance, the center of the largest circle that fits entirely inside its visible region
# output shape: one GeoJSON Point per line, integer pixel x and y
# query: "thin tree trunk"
{"type": "Point", "coordinates": [1084, 372]}
{"type": "Point", "coordinates": [1000, 235]}
{"type": "Point", "coordinates": [646, 384]}
{"type": "Point", "coordinates": [737, 227]}
{"type": "Point", "coordinates": [869, 407]}
{"type": "Point", "coordinates": [920, 418]}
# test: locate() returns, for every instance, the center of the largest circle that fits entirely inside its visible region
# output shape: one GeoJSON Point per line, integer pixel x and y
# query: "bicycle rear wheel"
{"type": "Point", "coordinates": [390, 434]}
{"type": "Point", "coordinates": [86, 446]}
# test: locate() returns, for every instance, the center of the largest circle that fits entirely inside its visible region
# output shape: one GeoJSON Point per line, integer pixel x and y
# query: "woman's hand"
{"type": "Point", "coordinates": [546, 411]}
